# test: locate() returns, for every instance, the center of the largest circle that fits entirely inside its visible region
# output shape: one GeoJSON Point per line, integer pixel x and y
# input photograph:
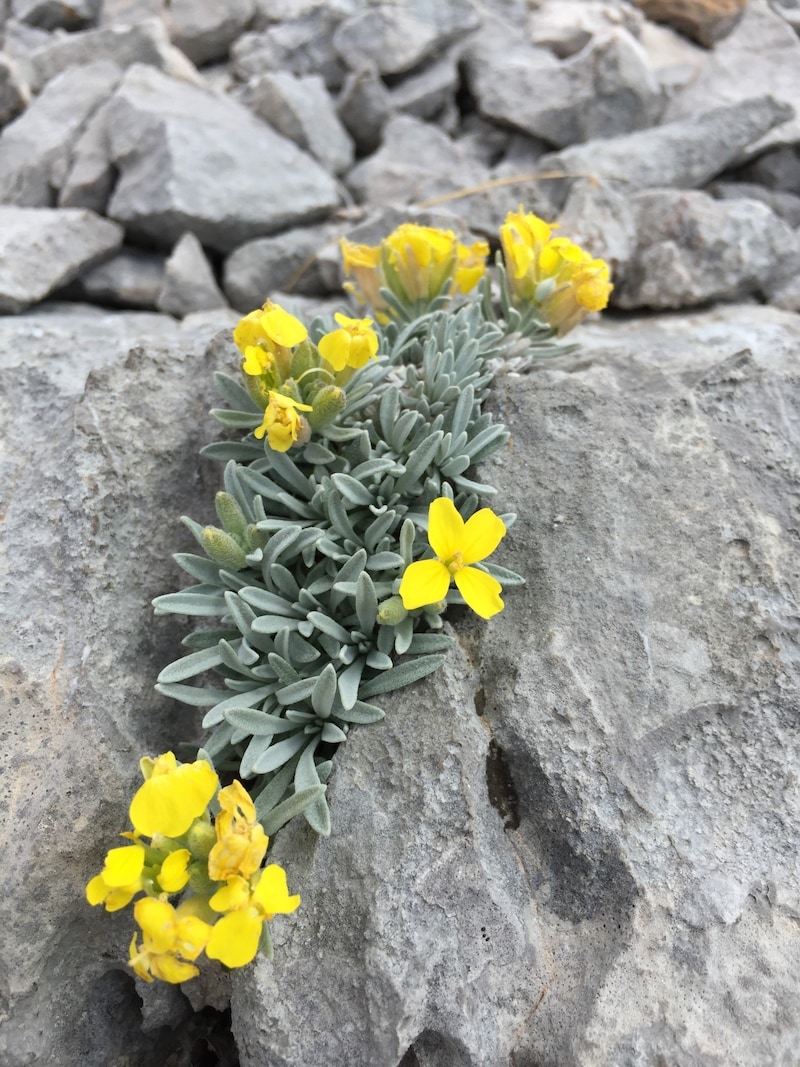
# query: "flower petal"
{"type": "Point", "coordinates": [481, 591]}
{"type": "Point", "coordinates": [169, 803]}
{"type": "Point", "coordinates": [482, 534]}
{"type": "Point", "coordinates": [271, 895]}
{"type": "Point", "coordinates": [424, 582]}
{"type": "Point", "coordinates": [445, 530]}
{"type": "Point", "coordinates": [234, 938]}
{"type": "Point", "coordinates": [174, 873]}
{"type": "Point", "coordinates": [123, 865]}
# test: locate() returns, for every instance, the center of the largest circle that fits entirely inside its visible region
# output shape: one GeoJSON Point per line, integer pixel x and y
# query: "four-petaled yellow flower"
{"type": "Point", "coordinates": [247, 905]}
{"type": "Point", "coordinates": [352, 345]}
{"type": "Point", "coordinates": [269, 327]}
{"type": "Point", "coordinates": [557, 276]}
{"type": "Point", "coordinates": [281, 424]}
{"type": "Point", "coordinates": [457, 545]}
{"type": "Point", "coordinates": [120, 879]}
{"type": "Point", "coordinates": [171, 938]}
{"type": "Point", "coordinates": [241, 842]}
{"type": "Point", "coordinates": [172, 796]}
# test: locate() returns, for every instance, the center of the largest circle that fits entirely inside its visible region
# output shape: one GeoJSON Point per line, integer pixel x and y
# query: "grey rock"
{"type": "Point", "coordinates": [605, 90]}
{"type": "Point", "coordinates": [786, 295]}
{"type": "Point", "coordinates": [204, 29]}
{"type": "Point", "coordinates": [778, 169]}
{"type": "Point", "coordinates": [20, 41]}
{"type": "Point", "coordinates": [14, 94]}
{"type": "Point", "coordinates": [288, 262]}
{"type": "Point", "coordinates": [35, 148]}
{"type": "Point", "coordinates": [90, 176]}
{"type": "Point", "coordinates": [416, 162]}
{"type": "Point", "coordinates": [300, 46]}
{"type": "Point", "coordinates": [761, 55]}
{"type": "Point", "coordinates": [684, 153]}
{"type": "Point", "coordinates": [428, 93]}
{"type": "Point", "coordinates": [270, 11]}
{"type": "Point", "coordinates": [399, 36]}
{"type": "Point", "coordinates": [55, 14]}
{"type": "Point", "coordinates": [144, 42]}
{"type": "Point", "coordinates": [599, 218]}
{"type": "Point", "coordinates": [99, 458]}
{"type": "Point", "coordinates": [301, 109]}
{"type": "Point", "coordinates": [567, 26]}
{"type": "Point", "coordinates": [129, 12]}
{"type": "Point", "coordinates": [636, 723]}
{"type": "Point", "coordinates": [173, 143]}
{"type": "Point", "coordinates": [785, 205]}
{"type": "Point", "coordinates": [42, 249]}
{"type": "Point", "coordinates": [673, 59]}
{"type": "Point", "coordinates": [189, 282]}
{"type": "Point", "coordinates": [132, 278]}
{"type": "Point", "coordinates": [692, 249]}
{"type": "Point", "coordinates": [364, 106]}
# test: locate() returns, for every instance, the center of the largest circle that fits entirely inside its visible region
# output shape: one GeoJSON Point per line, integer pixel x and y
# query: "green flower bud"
{"type": "Point", "coordinates": [305, 357]}
{"type": "Point", "coordinates": [255, 538]}
{"type": "Point", "coordinates": [258, 389]}
{"type": "Point", "coordinates": [391, 611]}
{"type": "Point", "coordinates": [291, 389]}
{"type": "Point", "coordinates": [201, 838]}
{"type": "Point", "coordinates": [230, 514]}
{"type": "Point", "coordinates": [199, 881]}
{"type": "Point", "coordinates": [222, 548]}
{"type": "Point", "coordinates": [329, 403]}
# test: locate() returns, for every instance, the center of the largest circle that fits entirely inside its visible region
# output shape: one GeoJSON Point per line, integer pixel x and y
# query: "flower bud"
{"type": "Point", "coordinates": [230, 514]}
{"type": "Point", "coordinates": [201, 838]}
{"type": "Point", "coordinates": [391, 611]}
{"type": "Point", "coordinates": [329, 403]}
{"type": "Point", "coordinates": [304, 358]}
{"type": "Point", "coordinates": [222, 548]}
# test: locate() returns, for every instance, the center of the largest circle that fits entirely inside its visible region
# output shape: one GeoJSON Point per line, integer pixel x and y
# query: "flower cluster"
{"type": "Point", "coordinates": [297, 383]}
{"type": "Point", "coordinates": [417, 264]}
{"type": "Point", "coordinates": [552, 273]}
{"type": "Point", "coordinates": [174, 847]}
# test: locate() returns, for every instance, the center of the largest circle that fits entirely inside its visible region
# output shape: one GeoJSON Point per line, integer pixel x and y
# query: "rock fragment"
{"type": "Point", "coordinates": [301, 109]}
{"type": "Point", "coordinates": [685, 153]}
{"type": "Point", "coordinates": [288, 262]}
{"type": "Point", "coordinates": [204, 29]}
{"type": "Point", "coordinates": [35, 148]}
{"type": "Point", "coordinates": [705, 21]}
{"type": "Point", "coordinates": [14, 94]}
{"type": "Point", "coordinates": [55, 14]}
{"type": "Point", "coordinates": [300, 46]}
{"type": "Point", "coordinates": [786, 205]}
{"type": "Point", "coordinates": [692, 249]}
{"type": "Point", "coordinates": [427, 94]}
{"type": "Point", "coordinates": [132, 278]}
{"type": "Point", "coordinates": [89, 175]}
{"type": "Point", "coordinates": [189, 282]}
{"type": "Point", "coordinates": [42, 249]}
{"type": "Point", "coordinates": [205, 163]}
{"type": "Point", "coordinates": [364, 106]}
{"type": "Point", "coordinates": [565, 27]}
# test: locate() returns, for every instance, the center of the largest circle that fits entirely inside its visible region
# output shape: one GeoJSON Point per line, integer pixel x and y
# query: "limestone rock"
{"type": "Point", "coordinates": [14, 95]}
{"type": "Point", "coordinates": [189, 282]}
{"type": "Point", "coordinates": [302, 110]}
{"type": "Point", "coordinates": [705, 21]}
{"type": "Point", "coordinates": [598, 217]}
{"type": "Point", "coordinates": [89, 175]}
{"type": "Point", "coordinates": [785, 205]}
{"type": "Point", "coordinates": [364, 106]}
{"type": "Point", "coordinates": [42, 249]}
{"type": "Point", "coordinates": [54, 14]}
{"type": "Point", "coordinates": [171, 159]}
{"type": "Point", "coordinates": [288, 262]}
{"type": "Point", "coordinates": [605, 90]}
{"type": "Point", "coordinates": [35, 148]}
{"type": "Point", "coordinates": [300, 46]}
{"type": "Point", "coordinates": [204, 30]}
{"type": "Point", "coordinates": [567, 26]}
{"type": "Point", "coordinates": [685, 153]}
{"type": "Point", "coordinates": [400, 36]}
{"type": "Point", "coordinates": [144, 42]}
{"type": "Point", "coordinates": [692, 249]}
{"type": "Point", "coordinates": [761, 55]}
{"type": "Point", "coordinates": [429, 92]}
{"type": "Point", "coordinates": [132, 278]}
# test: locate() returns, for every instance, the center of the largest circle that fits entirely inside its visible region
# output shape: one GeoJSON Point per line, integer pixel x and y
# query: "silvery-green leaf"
{"type": "Point", "coordinates": [297, 507]}
{"type": "Point", "coordinates": [462, 411]}
{"type": "Point", "coordinates": [295, 692]}
{"type": "Point", "coordinates": [190, 665]}
{"type": "Point", "coordinates": [236, 419]}
{"type": "Point", "coordinates": [255, 750]}
{"type": "Point", "coordinates": [191, 694]}
{"type": "Point", "coordinates": [301, 651]}
{"type": "Point", "coordinates": [389, 407]}
{"type": "Point", "coordinates": [329, 626]}
{"type": "Point", "coordinates": [383, 561]}
{"type": "Point", "coordinates": [306, 628]}
{"type": "Point", "coordinates": [353, 491]}
{"type": "Point", "coordinates": [279, 544]}
{"type": "Point", "coordinates": [324, 691]}
{"type": "Point", "coordinates": [378, 661]}
{"type": "Point", "coordinates": [283, 670]}
{"type": "Point", "coordinates": [269, 603]}
{"type": "Point", "coordinates": [265, 799]}
{"type": "Point", "coordinates": [238, 700]}
{"type": "Point", "coordinates": [378, 529]}
{"type": "Point", "coordinates": [231, 659]}
{"type": "Point", "coordinates": [287, 809]}
{"type": "Point", "coordinates": [332, 734]}
{"type": "Point", "coordinates": [367, 602]}
{"type": "Point", "coordinates": [385, 640]}
{"type": "Point", "coordinates": [283, 466]}
{"type": "Point", "coordinates": [239, 451]}
{"type": "Point", "coordinates": [503, 574]}
{"type": "Point", "coordinates": [278, 753]}
{"type": "Point", "coordinates": [456, 465]}
{"type": "Point", "coordinates": [467, 486]}
{"type": "Point", "coordinates": [402, 674]}
{"type": "Point", "coordinates": [402, 428]}
{"type": "Point", "coordinates": [283, 578]}
{"type": "Point", "coordinates": [349, 681]}
{"type": "Point", "coordinates": [235, 393]}
{"type": "Point", "coordinates": [271, 624]}
{"type": "Point", "coordinates": [340, 520]}
{"type": "Point", "coordinates": [258, 723]}
{"type": "Point", "coordinates": [204, 570]}
{"type": "Point", "coordinates": [318, 454]}
{"type": "Point", "coordinates": [361, 712]}
{"type": "Point", "coordinates": [218, 744]}
{"type": "Point", "coordinates": [265, 946]}
{"type": "Point", "coordinates": [318, 817]}
{"type": "Point", "coordinates": [408, 532]}
{"type": "Point", "coordinates": [430, 643]}
{"type": "Point", "coordinates": [344, 653]}
{"type": "Point", "coordinates": [207, 638]}
{"type": "Point", "coordinates": [494, 434]}
{"type": "Point", "coordinates": [403, 634]}
{"type": "Point", "coordinates": [196, 600]}
{"type": "Point", "coordinates": [304, 718]}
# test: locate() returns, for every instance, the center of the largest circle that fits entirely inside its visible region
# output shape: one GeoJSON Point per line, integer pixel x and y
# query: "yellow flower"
{"type": "Point", "coordinates": [552, 273]}
{"type": "Point", "coordinates": [120, 879]}
{"type": "Point", "coordinates": [352, 345]}
{"type": "Point", "coordinates": [241, 842]}
{"type": "Point", "coordinates": [234, 938]}
{"type": "Point", "coordinates": [470, 265]}
{"type": "Point", "coordinates": [171, 937]}
{"type": "Point", "coordinates": [172, 796]}
{"type": "Point", "coordinates": [363, 262]}
{"type": "Point", "coordinates": [456, 544]}
{"type": "Point", "coordinates": [281, 423]}
{"type": "Point", "coordinates": [269, 327]}
{"type": "Point", "coordinates": [174, 873]}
